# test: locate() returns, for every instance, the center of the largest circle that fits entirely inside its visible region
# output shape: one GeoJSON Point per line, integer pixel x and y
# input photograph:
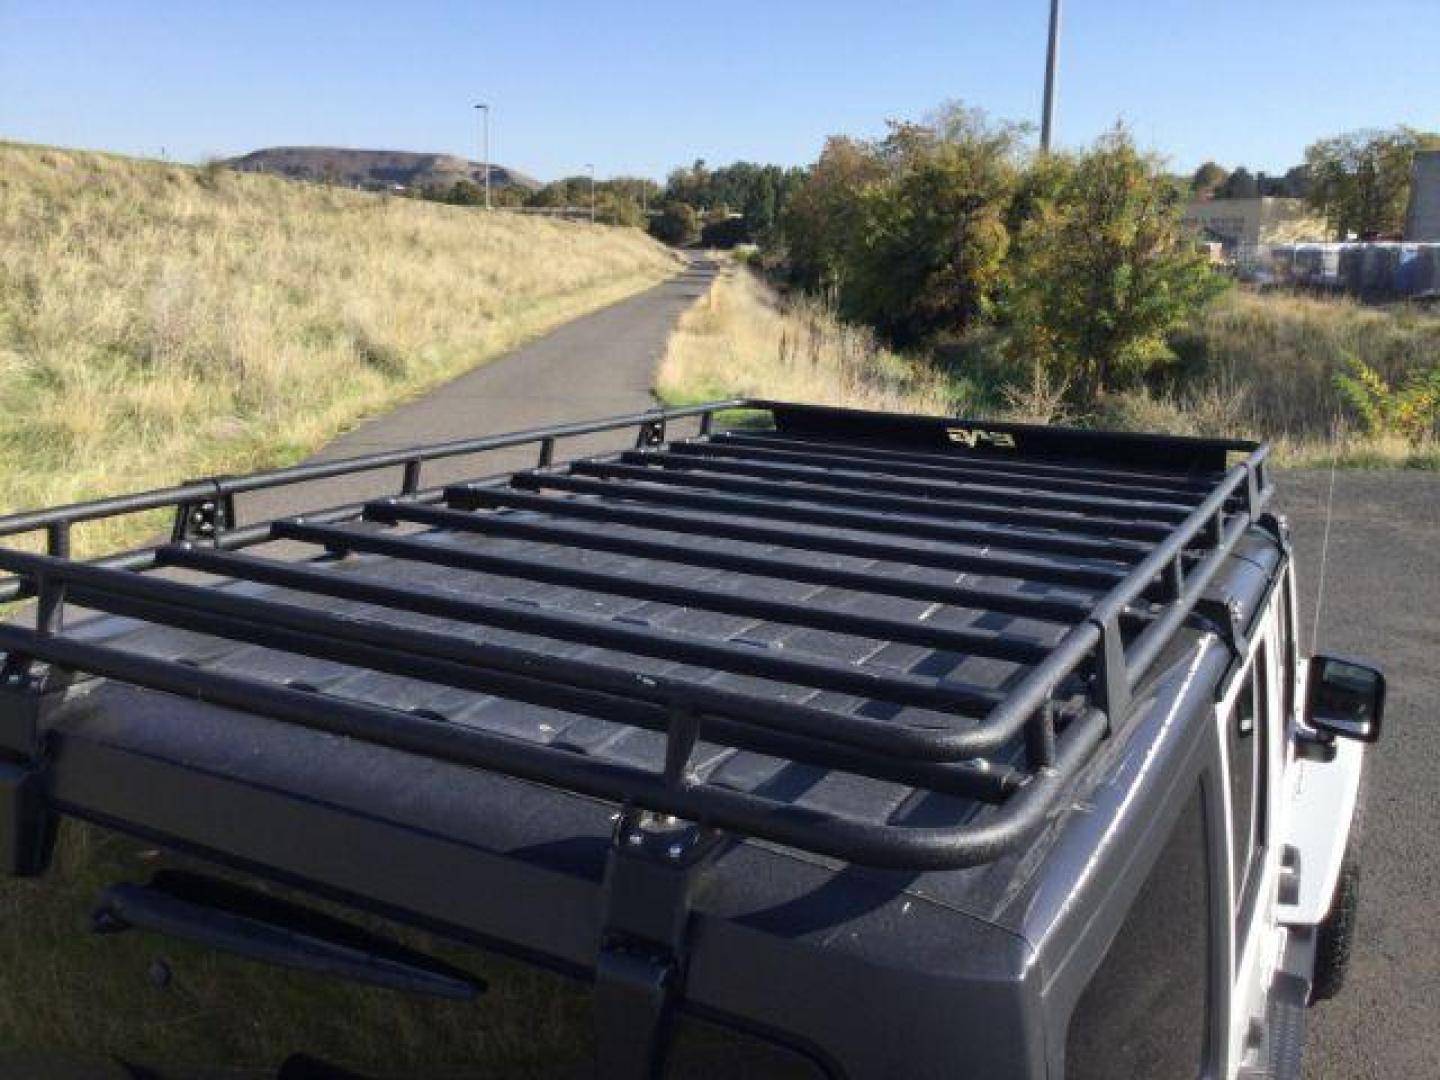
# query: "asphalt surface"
{"type": "Point", "coordinates": [1382, 600]}
{"type": "Point", "coordinates": [599, 365]}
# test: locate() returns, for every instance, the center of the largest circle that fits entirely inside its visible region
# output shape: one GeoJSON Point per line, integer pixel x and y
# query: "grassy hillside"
{"type": "Point", "coordinates": [1251, 365]}
{"type": "Point", "coordinates": [160, 322]}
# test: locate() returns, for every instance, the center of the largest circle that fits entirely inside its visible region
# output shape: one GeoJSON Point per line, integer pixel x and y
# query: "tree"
{"type": "Point", "coordinates": [909, 231]}
{"type": "Point", "coordinates": [1102, 272]}
{"type": "Point", "coordinates": [1240, 184]}
{"type": "Point", "coordinates": [1207, 179]}
{"type": "Point", "coordinates": [724, 233]}
{"type": "Point", "coordinates": [678, 224]}
{"type": "Point", "coordinates": [614, 206]}
{"type": "Point", "coordinates": [690, 186]}
{"type": "Point", "coordinates": [1360, 180]}
{"type": "Point", "coordinates": [464, 193]}
{"type": "Point", "coordinates": [934, 237]}
{"type": "Point", "coordinates": [821, 220]}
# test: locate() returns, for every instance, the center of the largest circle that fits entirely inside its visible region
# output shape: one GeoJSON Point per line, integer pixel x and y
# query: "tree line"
{"type": "Point", "coordinates": [953, 225]}
{"type": "Point", "coordinates": [948, 226]}
{"type": "Point", "coordinates": [1359, 181]}
{"type": "Point", "coordinates": [722, 207]}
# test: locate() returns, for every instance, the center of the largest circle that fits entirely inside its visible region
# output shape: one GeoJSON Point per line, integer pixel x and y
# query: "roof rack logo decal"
{"type": "Point", "coordinates": [973, 437]}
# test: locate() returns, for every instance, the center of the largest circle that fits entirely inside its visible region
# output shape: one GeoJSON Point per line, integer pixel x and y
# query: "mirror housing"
{"type": "Point", "coordinates": [1345, 698]}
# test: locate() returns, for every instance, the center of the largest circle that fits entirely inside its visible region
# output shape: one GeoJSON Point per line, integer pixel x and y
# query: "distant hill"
{"type": "Point", "coordinates": [374, 169]}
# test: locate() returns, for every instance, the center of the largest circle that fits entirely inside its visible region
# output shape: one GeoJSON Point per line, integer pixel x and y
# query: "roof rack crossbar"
{"type": "Point", "coordinates": [990, 462]}
{"type": "Point", "coordinates": [850, 839]}
{"type": "Point", "coordinates": [990, 783]}
{"type": "Point", "coordinates": [1048, 608]}
{"type": "Point", "coordinates": [1074, 495]}
{"type": "Point", "coordinates": [1035, 569]}
{"type": "Point", "coordinates": [493, 668]}
{"type": "Point", "coordinates": [925, 634]}
{"type": "Point", "coordinates": [650, 489]}
{"type": "Point", "coordinates": [938, 694]}
{"type": "Point", "coordinates": [922, 498]}
{"type": "Point", "coordinates": [963, 527]}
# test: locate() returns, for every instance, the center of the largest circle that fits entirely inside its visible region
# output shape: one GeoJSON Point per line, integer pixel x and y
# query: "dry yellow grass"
{"type": "Point", "coordinates": [159, 322]}
{"type": "Point", "coordinates": [1283, 351]}
{"type": "Point", "coordinates": [744, 341]}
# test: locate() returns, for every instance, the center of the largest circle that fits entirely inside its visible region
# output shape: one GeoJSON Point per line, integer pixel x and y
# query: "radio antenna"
{"type": "Point", "coordinates": [1325, 543]}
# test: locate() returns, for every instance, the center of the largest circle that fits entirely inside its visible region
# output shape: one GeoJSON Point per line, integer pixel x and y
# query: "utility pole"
{"type": "Point", "coordinates": [592, 193]}
{"type": "Point", "coordinates": [485, 148]}
{"type": "Point", "coordinates": [1047, 117]}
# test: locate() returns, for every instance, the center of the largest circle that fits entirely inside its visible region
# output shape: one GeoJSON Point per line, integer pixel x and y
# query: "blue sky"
{"type": "Point", "coordinates": [638, 87]}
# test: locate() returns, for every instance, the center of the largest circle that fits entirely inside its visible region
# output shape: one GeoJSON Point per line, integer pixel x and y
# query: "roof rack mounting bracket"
{"type": "Point", "coordinates": [655, 867]}
{"type": "Point", "coordinates": [1278, 526]}
{"type": "Point", "coordinates": [1112, 674]}
{"type": "Point", "coordinates": [205, 519]}
{"type": "Point", "coordinates": [1223, 616]}
{"type": "Point", "coordinates": [651, 434]}
{"type": "Point", "coordinates": [27, 824]}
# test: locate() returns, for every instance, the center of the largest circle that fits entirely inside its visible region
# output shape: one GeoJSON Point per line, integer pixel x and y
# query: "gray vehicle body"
{"type": "Point", "coordinates": [1134, 932]}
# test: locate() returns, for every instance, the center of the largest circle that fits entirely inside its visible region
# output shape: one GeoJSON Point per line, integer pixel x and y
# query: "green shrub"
{"type": "Point", "coordinates": [1102, 275]}
{"type": "Point", "coordinates": [1411, 410]}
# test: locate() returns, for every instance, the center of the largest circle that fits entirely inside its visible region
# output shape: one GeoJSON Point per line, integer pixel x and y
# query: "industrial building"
{"type": "Point", "coordinates": [1422, 221]}
{"type": "Point", "coordinates": [1240, 223]}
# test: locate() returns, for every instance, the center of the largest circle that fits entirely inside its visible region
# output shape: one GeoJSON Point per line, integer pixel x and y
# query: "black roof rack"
{"type": "Point", "coordinates": [1110, 539]}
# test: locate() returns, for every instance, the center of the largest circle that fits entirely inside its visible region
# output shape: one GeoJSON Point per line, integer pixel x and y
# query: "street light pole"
{"type": "Point", "coordinates": [485, 148]}
{"type": "Point", "coordinates": [1047, 117]}
{"type": "Point", "coordinates": [592, 193]}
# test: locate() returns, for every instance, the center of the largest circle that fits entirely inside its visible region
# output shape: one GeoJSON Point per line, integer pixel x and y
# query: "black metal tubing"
{"type": "Point", "coordinates": [961, 461]}
{"type": "Point", "coordinates": [978, 506]}
{"type": "Point", "coordinates": [957, 525]}
{"type": "Point", "coordinates": [1025, 569]}
{"type": "Point", "coordinates": [910, 847]}
{"type": "Point", "coordinates": [1117, 683]}
{"type": "Point", "coordinates": [1051, 609]}
{"type": "Point", "coordinates": [1074, 495]}
{"type": "Point", "coordinates": [985, 537]}
{"type": "Point", "coordinates": [795, 732]}
{"type": "Point", "coordinates": [937, 497]}
{"type": "Point", "coordinates": [164, 498]}
{"type": "Point", "coordinates": [1103, 649]}
{"type": "Point", "coordinates": [927, 635]}
{"type": "Point", "coordinates": [101, 588]}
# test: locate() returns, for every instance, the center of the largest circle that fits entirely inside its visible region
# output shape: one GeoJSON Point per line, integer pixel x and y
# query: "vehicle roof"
{"type": "Point", "coordinates": [769, 888]}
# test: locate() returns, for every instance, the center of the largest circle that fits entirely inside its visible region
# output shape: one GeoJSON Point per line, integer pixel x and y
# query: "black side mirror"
{"type": "Point", "coordinates": [1345, 698]}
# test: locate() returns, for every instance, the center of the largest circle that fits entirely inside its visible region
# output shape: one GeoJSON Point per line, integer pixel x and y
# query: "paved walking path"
{"type": "Point", "coordinates": [602, 364]}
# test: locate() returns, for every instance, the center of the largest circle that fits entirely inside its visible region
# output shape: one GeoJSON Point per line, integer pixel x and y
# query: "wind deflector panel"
{"type": "Point", "coordinates": [990, 438]}
{"type": "Point", "coordinates": [860, 595]}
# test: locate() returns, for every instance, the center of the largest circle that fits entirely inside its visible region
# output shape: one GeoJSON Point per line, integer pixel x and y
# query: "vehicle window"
{"type": "Point", "coordinates": [1245, 749]}
{"type": "Point", "coordinates": [1145, 1012]}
